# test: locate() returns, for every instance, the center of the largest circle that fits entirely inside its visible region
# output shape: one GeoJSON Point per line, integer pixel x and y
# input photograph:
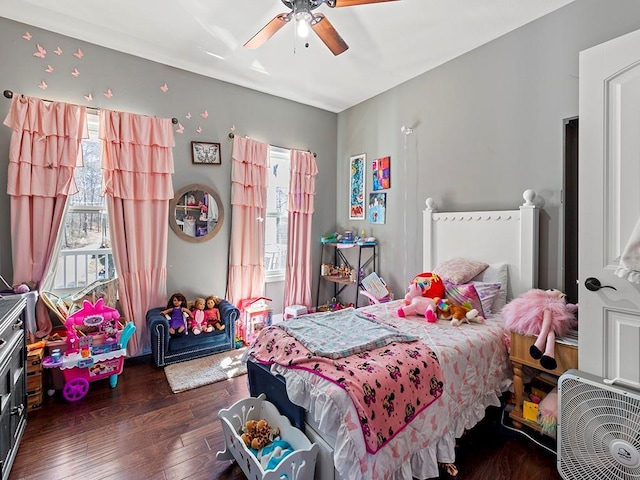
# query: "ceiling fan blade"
{"type": "Point", "coordinates": [329, 35]}
{"type": "Point", "coordinates": [351, 3]}
{"type": "Point", "coordinates": [269, 30]}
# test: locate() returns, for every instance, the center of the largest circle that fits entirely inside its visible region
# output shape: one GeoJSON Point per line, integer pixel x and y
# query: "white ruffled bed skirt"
{"type": "Point", "coordinates": [415, 452]}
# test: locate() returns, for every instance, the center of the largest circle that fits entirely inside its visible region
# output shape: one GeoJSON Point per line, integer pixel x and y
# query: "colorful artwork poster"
{"type": "Point", "coordinates": [381, 173]}
{"type": "Point", "coordinates": [377, 208]}
{"type": "Point", "coordinates": [356, 186]}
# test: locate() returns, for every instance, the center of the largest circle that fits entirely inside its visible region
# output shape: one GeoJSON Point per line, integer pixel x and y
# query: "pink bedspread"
{"type": "Point", "coordinates": [389, 386]}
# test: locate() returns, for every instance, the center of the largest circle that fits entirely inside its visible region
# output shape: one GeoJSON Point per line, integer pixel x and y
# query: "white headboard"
{"type": "Point", "coordinates": [503, 236]}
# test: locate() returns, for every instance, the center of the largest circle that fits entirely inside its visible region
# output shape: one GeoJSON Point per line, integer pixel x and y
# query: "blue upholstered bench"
{"type": "Point", "coordinates": [167, 349]}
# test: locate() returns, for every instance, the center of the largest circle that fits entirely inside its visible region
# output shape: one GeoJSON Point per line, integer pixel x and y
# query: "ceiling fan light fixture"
{"type": "Point", "coordinates": [303, 22]}
{"type": "Point", "coordinates": [300, 10]}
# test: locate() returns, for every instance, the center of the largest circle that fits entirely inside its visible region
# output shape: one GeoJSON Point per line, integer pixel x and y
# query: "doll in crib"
{"type": "Point", "coordinates": [177, 313]}
{"type": "Point", "coordinates": [212, 314]}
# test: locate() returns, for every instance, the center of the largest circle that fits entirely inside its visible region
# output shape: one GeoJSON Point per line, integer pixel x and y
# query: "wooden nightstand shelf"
{"type": "Point", "coordinates": [566, 356]}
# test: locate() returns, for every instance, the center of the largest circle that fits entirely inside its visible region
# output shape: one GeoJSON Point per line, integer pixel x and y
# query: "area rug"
{"type": "Point", "coordinates": [191, 374]}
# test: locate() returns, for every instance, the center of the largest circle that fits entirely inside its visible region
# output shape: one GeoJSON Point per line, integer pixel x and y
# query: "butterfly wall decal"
{"type": "Point", "coordinates": [78, 54]}
{"type": "Point", "coordinates": [88, 98]}
{"type": "Point", "coordinates": [180, 128]}
{"type": "Point", "coordinates": [75, 72]}
{"type": "Point", "coordinates": [188, 116]}
{"type": "Point", "coordinates": [49, 69]}
{"type": "Point", "coordinates": [199, 129]}
{"type": "Point", "coordinates": [27, 36]}
{"type": "Point", "coordinates": [164, 88]}
{"type": "Point", "coordinates": [58, 51]}
{"type": "Point", "coordinates": [108, 93]}
{"type": "Point", "coordinates": [204, 114]}
{"type": "Point", "coordinates": [41, 53]}
{"type": "Point", "coordinates": [43, 85]}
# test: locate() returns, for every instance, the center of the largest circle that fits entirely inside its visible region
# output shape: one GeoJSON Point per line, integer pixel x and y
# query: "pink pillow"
{"type": "Point", "coordinates": [459, 270]}
{"type": "Point", "coordinates": [479, 295]}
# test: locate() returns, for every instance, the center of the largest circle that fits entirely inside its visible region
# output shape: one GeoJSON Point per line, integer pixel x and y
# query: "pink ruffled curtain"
{"type": "Point", "coordinates": [249, 164]}
{"type": "Point", "coordinates": [46, 146]}
{"type": "Point", "coordinates": [137, 162]}
{"type": "Point", "coordinates": [302, 190]}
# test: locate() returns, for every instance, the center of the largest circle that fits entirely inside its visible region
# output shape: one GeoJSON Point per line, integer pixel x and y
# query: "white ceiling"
{"type": "Point", "coordinates": [389, 42]}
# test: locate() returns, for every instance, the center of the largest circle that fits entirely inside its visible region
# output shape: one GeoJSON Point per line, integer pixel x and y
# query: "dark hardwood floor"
{"type": "Point", "coordinates": [141, 430]}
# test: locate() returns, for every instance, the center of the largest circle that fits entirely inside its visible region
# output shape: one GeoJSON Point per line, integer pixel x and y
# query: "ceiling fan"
{"type": "Point", "coordinates": [301, 11]}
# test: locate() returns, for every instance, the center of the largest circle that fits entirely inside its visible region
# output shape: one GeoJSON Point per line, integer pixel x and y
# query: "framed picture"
{"type": "Point", "coordinates": [356, 186]}
{"type": "Point", "coordinates": [381, 173]}
{"type": "Point", "coordinates": [377, 208]}
{"type": "Point", "coordinates": [206, 153]}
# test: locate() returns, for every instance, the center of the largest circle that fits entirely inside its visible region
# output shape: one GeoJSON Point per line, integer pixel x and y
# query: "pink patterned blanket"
{"type": "Point", "coordinates": [389, 386]}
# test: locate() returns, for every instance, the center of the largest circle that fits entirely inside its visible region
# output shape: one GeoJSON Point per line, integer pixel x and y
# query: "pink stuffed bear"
{"type": "Point", "coordinates": [544, 313]}
{"type": "Point", "coordinates": [417, 304]}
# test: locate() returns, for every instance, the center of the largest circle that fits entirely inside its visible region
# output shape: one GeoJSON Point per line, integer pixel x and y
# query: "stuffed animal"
{"type": "Point", "coordinates": [416, 304]}
{"type": "Point", "coordinates": [431, 284]}
{"type": "Point", "coordinates": [545, 314]}
{"type": "Point", "coordinates": [447, 310]}
{"type": "Point", "coordinates": [258, 433]}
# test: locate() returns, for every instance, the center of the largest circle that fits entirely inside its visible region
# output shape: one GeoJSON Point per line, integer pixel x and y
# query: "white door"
{"type": "Point", "coordinates": [609, 207]}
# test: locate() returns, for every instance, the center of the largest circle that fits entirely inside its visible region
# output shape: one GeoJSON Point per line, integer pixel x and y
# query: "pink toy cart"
{"type": "Point", "coordinates": [93, 356]}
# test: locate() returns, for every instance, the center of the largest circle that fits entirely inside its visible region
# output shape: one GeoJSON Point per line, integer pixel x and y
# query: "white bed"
{"type": "Point", "coordinates": [473, 357]}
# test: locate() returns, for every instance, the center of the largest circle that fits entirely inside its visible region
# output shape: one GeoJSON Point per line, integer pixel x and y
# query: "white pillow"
{"type": "Point", "coordinates": [496, 273]}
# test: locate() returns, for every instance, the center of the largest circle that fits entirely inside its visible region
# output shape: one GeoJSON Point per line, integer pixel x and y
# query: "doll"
{"type": "Point", "coordinates": [212, 315]}
{"type": "Point", "coordinates": [198, 318]}
{"type": "Point", "coordinates": [545, 314]}
{"type": "Point", "coordinates": [177, 313]}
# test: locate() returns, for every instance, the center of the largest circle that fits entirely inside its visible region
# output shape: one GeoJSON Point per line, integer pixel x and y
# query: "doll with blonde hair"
{"type": "Point", "coordinates": [198, 318]}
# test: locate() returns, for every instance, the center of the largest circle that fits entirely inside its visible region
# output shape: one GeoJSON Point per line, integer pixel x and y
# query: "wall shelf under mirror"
{"type": "Point", "coordinates": [196, 213]}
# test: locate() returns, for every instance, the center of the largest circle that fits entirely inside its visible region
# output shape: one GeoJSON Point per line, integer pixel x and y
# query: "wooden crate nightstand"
{"type": "Point", "coordinates": [566, 356]}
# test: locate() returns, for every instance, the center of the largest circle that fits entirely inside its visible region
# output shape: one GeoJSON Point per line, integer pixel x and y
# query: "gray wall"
{"type": "Point", "coordinates": [192, 268]}
{"type": "Point", "coordinates": [487, 126]}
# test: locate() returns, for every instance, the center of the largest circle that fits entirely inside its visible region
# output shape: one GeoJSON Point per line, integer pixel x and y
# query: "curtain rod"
{"type": "Point", "coordinates": [9, 94]}
{"type": "Point", "coordinates": [232, 135]}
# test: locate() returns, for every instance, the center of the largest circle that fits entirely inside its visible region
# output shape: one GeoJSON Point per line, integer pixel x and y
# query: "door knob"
{"type": "Point", "coordinates": [593, 284]}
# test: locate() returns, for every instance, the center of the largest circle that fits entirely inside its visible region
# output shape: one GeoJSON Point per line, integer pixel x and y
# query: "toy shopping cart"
{"type": "Point", "coordinates": [95, 349]}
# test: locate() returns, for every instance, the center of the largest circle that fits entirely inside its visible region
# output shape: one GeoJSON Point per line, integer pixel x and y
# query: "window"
{"type": "Point", "coordinates": [276, 222]}
{"type": "Point", "coordinates": [85, 246]}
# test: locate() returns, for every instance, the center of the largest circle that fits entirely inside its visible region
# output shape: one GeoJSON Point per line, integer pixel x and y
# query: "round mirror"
{"type": "Point", "coordinates": [196, 213]}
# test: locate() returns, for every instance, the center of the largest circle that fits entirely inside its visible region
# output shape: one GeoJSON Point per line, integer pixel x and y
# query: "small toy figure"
{"type": "Point", "coordinates": [177, 313]}
{"type": "Point", "coordinates": [212, 314]}
{"type": "Point", "coordinates": [198, 317]}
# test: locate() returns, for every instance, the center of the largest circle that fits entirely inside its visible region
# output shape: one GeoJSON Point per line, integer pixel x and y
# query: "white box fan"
{"type": "Point", "coordinates": [598, 429]}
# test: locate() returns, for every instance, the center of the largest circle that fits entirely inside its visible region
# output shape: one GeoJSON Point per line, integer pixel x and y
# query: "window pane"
{"type": "Point", "coordinates": [275, 251]}
{"type": "Point", "coordinates": [85, 244]}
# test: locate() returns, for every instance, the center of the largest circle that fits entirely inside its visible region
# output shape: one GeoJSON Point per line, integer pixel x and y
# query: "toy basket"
{"type": "Point", "coordinates": [298, 465]}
